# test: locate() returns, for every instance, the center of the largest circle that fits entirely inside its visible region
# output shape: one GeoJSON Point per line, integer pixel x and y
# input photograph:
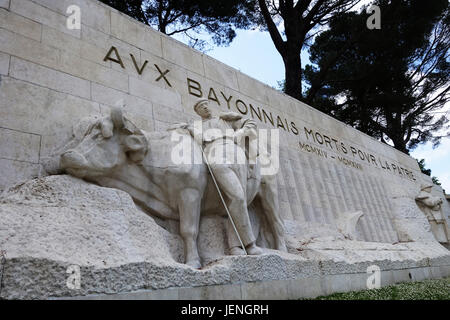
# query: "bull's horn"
{"type": "Point", "coordinates": [120, 122]}
{"type": "Point", "coordinates": [117, 117]}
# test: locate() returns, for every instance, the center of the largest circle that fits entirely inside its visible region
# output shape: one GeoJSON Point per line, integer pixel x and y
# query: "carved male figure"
{"type": "Point", "coordinates": [227, 162]}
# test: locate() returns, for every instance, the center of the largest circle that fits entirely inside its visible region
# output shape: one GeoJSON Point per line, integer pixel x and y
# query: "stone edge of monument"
{"type": "Point", "coordinates": [310, 287]}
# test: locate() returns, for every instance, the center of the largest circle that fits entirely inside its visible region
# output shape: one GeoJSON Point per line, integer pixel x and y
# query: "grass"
{"type": "Point", "coordinates": [423, 290]}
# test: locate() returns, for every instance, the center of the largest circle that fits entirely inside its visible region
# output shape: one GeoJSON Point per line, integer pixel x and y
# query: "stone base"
{"type": "Point", "coordinates": [270, 276]}
{"type": "Point", "coordinates": [54, 223]}
{"type": "Point", "coordinates": [279, 289]}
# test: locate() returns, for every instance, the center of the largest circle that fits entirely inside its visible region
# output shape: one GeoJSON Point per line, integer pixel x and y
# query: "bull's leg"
{"type": "Point", "coordinates": [189, 207]}
{"type": "Point", "coordinates": [269, 200]}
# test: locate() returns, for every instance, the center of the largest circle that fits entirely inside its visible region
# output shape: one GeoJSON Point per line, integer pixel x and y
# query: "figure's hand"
{"type": "Point", "coordinates": [239, 135]}
{"type": "Point", "coordinates": [250, 123]}
{"type": "Point", "coordinates": [182, 125]}
{"type": "Point", "coordinates": [197, 136]}
{"type": "Point", "coordinates": [190, 129]}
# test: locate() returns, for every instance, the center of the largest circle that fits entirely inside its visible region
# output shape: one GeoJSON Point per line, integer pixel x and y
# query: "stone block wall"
{"type": "Point", "coordinates": [51, 76]}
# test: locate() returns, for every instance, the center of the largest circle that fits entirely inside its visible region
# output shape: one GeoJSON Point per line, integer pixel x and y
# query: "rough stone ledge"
{"type": "Point", "coordinates": [275, 290]}
{"type": "Point", "coordinates": [262, 277]}
{"type": "Point", "coordinates": [52, 223]}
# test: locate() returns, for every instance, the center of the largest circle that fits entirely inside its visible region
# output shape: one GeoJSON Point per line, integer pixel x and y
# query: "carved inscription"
{"type": "Point", "coordinates": [330, 147]}
{"type": "Point", "coordinates": [162, 75]}
{"type": "Point", "coordinates": [347, 154]}
{"type": "Point", "coordinates": [195, 88]}
{"type": "Point", "coordinates": [117, 59]}
{"type": "Point", "coordinates": [114, 56]}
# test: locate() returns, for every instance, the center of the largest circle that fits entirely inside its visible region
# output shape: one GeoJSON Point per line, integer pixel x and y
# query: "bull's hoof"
{"type": "Point", "coordinates": [194, 264]}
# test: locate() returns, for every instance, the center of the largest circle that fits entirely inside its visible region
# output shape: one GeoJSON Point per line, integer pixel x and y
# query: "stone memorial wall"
{"type": "Point", "coordinates": [51, 76]}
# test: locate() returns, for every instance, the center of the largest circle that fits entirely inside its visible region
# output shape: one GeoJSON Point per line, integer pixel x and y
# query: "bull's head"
{"type": "Point", "coordinates": [107, 144]}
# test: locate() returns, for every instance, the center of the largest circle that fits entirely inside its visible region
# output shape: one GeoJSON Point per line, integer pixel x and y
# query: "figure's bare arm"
{"type": "Point", "coordinates": [197, 136]}
{"type": "Point", "coordinates": [244, 128]}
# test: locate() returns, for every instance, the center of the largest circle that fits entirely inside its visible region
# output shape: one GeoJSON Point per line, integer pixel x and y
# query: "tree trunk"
{"type": "Point", "coordinates": [293, 73]}
{"type": "Point", "coordinates": [400, 144]}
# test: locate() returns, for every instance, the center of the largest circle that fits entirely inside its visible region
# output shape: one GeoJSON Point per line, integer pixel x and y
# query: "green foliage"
{"type": "Point", "coordinates": [421, 164]}
{"type": "Point", "coordinates": [389, 82]}
{"type": "Point", "coordinates": [436, 181]}
{"type": "Point", "coordinates": [426, 171]}
{"type": "Point", "coordinates": [191, 18]}
{"type": "Point", "coordinates": [291, 25]}
{"type": "Point", "coordinates": [424, 290]}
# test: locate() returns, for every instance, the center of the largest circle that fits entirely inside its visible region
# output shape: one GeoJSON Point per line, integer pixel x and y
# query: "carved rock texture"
{"type": "Point", "coordinates": [51, 223]}
{"type": "Point", "coordinates": [409, 221]}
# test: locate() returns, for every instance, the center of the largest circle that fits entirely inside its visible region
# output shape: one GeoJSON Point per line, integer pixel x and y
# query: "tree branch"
{"type": "Point", "coordinates": [273, 30]}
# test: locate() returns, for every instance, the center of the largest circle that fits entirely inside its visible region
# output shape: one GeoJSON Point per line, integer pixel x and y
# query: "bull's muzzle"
{"type": "Point", "coordinates": [71, 159]}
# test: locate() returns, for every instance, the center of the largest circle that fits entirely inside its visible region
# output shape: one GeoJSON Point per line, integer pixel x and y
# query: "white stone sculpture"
{"type": "Point", "coordinates": [219, 137]}
{"type": "Point", "coordinates": [431, 206]}
{"type": "Point", "coordinates": [347, 222]}
{"type": "Point", "coordinates": [115, 153]}
{"type": "Point", "coordinates": [409, 221]}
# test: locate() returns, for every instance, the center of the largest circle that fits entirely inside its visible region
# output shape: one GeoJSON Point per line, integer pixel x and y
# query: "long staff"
{"type": "Point", "coordinates": [221, 198]}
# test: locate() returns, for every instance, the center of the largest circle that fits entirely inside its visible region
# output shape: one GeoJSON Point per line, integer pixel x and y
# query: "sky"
{"type": "Point", "coordinates": [253, 53]}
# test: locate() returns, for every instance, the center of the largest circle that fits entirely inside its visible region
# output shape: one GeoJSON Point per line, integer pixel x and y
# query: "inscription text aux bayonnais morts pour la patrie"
{"type": "Point", "coordinates": [339, 149]}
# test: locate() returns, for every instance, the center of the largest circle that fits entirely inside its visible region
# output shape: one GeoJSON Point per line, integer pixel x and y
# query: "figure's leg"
{"type": "Point", "coordinates": [189, 208]}
{"type": "Point", "coordinates": [231, 187]}
{"type": "Point", "coordinates": [235, 245]}
{"type": "Point", "coordinates": [269, 200]}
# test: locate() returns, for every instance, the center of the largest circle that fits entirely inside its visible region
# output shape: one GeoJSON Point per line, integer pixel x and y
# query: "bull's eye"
{"type": "Point", "coordinates": [98, 136]}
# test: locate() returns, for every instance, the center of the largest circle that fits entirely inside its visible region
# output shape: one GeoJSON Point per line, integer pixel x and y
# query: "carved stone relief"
{"type": "Point", "coordinates": [115, 153]}
{"type": "Point", "coordinates": [431, 206]}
